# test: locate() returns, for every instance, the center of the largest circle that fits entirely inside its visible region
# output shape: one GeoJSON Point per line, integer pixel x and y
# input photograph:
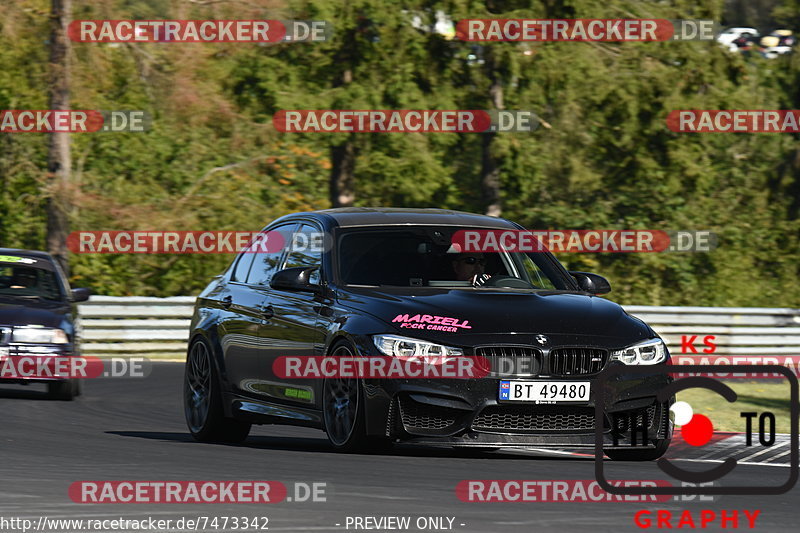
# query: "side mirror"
{"type": "Point", "coordinates": [80, 294]}
{"type": "Point", "coordinates": [295, 279]}
{"type": "Point", "coordinates": [591, 283]}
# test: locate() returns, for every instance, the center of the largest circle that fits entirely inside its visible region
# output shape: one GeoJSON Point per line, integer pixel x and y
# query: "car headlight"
{"type": "Point", "coordinates": [648, 352]}
{"type": "Point", "coordinates": [39, 336]}
{"type": "Point", "coordinates": [398, 346]}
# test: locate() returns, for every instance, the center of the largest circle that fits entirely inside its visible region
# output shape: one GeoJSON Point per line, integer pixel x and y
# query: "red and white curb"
{"type": "Point", "coordinates": [724, 445]}
{"type": "Point", "coordinates": [721, 446]}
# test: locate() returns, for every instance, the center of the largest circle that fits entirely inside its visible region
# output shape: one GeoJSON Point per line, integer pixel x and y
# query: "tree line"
{"type": "Point", "coordinates": [602, 157]}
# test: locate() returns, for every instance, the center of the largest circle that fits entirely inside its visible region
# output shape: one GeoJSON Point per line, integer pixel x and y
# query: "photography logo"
{"type": "Point", "coordinates": [696, 429]}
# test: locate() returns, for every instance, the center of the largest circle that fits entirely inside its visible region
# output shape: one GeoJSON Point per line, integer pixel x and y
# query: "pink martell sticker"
{"type": "Point", "coordinates": [431, 322]}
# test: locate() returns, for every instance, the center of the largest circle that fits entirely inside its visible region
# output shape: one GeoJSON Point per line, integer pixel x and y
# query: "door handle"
{"type": "Point", "coordinates": [267, 311]}
{"type": "Point", "coordinates": [227, 302]}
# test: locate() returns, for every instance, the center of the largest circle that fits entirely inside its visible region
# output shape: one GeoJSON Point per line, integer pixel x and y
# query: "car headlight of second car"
{"type": "Point", "coordinates": [39, 336]}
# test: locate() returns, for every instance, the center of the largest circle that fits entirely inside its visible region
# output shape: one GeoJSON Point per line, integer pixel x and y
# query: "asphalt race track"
{"type": "Point", "coordinates": [133, 429]}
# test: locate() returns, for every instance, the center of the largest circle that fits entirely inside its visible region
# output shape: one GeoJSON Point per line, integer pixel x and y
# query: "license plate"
{"type": "Point", "coordinates": [544, 391]}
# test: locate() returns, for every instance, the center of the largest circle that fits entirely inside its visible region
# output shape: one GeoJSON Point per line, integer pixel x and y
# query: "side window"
{"type": "Point", "coordinates": [306, 250]}
{"type": "Point", "coordinates": [243, 264]}
{"type": "Point", "coordinates": [266, 263]}
{"type": "Point", "coordinates": [535, 274]}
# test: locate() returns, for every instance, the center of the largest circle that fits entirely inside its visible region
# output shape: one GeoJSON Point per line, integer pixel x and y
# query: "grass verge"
{"type": "Point", "coordinates": [754, 396]}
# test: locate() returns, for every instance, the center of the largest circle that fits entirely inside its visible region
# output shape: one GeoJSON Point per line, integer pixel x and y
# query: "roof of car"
{"type": "Point", "coordinates": [392, 216]}
{"type": "Point", "coordinates": [36, 254]}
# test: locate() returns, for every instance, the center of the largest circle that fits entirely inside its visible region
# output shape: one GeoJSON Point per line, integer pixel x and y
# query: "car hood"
{"type": "Point", "coordinates": [45, 314]}
{"type": "Point", "coordinates": [486, 316]}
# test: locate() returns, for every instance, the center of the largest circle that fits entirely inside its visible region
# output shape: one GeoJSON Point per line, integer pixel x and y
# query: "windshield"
{"type": "Point", "coordinates": [424, 257]}
{"type": "Point", "coordinates": [27, 281]}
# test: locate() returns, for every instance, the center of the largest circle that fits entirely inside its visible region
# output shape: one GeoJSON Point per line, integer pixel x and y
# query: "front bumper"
{"type": "Point", "coordinates": [468, 413]}
{"type": "Point", "coordinates": [12, 353]}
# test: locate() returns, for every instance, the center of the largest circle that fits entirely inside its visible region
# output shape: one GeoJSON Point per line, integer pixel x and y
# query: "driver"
{"type": "Point", "coordinates": [23, 278]}
{"type": "Point", "coordinates": [469, 266]}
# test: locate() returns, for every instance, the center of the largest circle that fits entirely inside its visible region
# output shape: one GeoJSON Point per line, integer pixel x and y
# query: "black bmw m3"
{"type": "Point", "coordinates": [362, 283]}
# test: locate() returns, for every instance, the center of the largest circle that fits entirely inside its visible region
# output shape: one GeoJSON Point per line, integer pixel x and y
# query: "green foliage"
{"type": "Point", "coordinates": [602, 158]}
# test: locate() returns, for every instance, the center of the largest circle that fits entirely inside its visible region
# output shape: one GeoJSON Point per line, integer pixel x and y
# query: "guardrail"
{"type": "Point", "coordinates": [150, 326]}
{"type": "Point", "coordinates": [135, 325]}
{"type": "Point", "coordinates": [736, 330]}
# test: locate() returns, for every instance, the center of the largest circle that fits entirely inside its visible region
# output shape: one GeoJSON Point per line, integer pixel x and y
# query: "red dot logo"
{"type": "Point", "coordinates": [698, 431]}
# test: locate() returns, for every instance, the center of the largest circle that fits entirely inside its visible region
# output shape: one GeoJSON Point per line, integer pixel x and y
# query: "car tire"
{"type": "Point", "coordinates": [343, 412]}
{"type": "Point", "coordinates": [66, 390]}
{"type": "Point", "coordinates": [640, 455]}
{"type": "Point", "coordinates": [202, 400]}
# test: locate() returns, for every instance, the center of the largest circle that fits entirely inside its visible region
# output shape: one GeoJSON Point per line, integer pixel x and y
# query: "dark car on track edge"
{"type": "Point", "coordinates": [38, 315]}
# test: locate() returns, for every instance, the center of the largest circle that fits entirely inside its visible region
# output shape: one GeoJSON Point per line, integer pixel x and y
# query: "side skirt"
{"type": "Point", "coordinates": [258, 412]}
